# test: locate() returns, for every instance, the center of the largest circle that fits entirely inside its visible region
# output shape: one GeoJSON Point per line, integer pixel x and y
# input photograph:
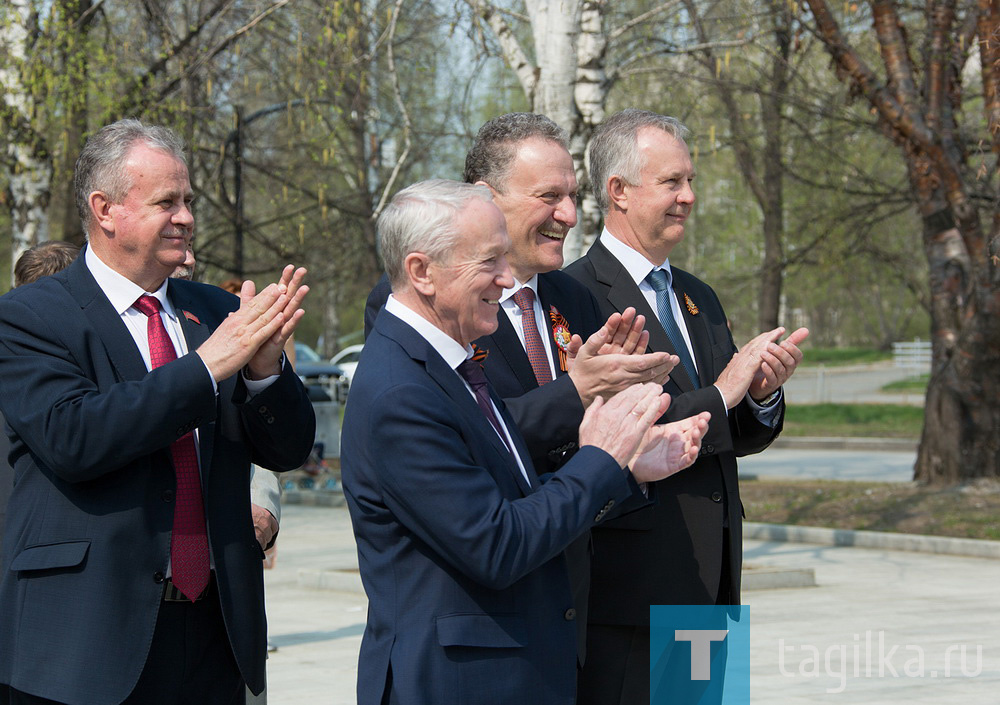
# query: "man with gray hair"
{"type": "Point", "coordinates": [686, 547]}
{"type": "Point", "coordinates": [459, 542]}
{"type": "Point", "coordinates": [135, 403]}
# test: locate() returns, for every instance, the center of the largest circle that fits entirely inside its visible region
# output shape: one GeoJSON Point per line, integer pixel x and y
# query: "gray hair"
{"type": "Point", "coordinates": [101, 164]}
{"type": "Point", "coordinates": [423, 218]}
{"type": "Point", "coordinates": [495, 147]}
{"type": "Point", "coordinates": [614, 149]}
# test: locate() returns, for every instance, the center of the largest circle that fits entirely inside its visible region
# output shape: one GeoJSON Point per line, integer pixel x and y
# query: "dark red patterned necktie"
{"type": "Point", "coordinates": [189, 540]}
{"type": "Point", "coordinates": [525, 300]}
{"type": "Point", "coordinates": [472, 372]}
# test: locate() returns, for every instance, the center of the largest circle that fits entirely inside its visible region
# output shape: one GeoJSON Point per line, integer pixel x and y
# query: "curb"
{"type": "Point", "coordinates": [944, 545]}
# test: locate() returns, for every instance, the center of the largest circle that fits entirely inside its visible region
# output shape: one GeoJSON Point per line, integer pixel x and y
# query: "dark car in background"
{"type": "Point", "coordinates": [324, 380]}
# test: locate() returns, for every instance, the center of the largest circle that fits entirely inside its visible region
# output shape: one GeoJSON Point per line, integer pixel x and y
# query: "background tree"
{"type": "Point", "coordinates": [936, 99]}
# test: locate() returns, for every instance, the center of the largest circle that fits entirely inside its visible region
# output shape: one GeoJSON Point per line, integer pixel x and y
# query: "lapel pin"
{"type": "Point", "coordinates": [692, 309]}
{"type": "Point", "coordinates": [190, 316]}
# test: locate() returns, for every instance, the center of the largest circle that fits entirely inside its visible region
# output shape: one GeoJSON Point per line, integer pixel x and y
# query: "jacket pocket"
{"type": "Point", "coordinates": [485, 630]}
{"type": "Point", "coordinates": [66, 554]}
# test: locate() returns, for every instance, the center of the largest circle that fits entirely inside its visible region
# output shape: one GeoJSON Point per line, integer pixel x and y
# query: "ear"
{"type": "Point", "coordinates": [492, 190]}
{"type": "Point", "coordinates": [100, 208]}
{"type": "Point", "coordinates": [617, 192]}
{"type": "Point", "coordinates": [417, 266]}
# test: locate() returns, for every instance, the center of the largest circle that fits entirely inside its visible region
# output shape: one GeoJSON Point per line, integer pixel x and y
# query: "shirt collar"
{"type": "Point", "coordinates": [445, 346]}
{"type": "Point", "coordinates": [121, 291]}
{"type": "Point", "coordinates": [636, 264]}
{"type": "Point", "coordinates": [531, 284]}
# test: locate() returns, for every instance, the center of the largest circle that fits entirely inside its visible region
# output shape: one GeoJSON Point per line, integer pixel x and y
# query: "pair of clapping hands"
{"type": "Point", "coordinates": [612, 365]}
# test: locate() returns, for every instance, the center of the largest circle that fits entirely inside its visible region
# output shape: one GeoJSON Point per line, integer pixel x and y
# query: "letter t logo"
{"type": "Point", "coordinates": [701, 649]}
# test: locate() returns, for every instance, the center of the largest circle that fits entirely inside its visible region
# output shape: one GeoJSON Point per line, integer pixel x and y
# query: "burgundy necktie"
{"type": "Point", "coordinates": [189, 540]}
{"type": "Point", "coordinates": [525, 300]}
{"type": "Point", "coordinates": [472, 372]}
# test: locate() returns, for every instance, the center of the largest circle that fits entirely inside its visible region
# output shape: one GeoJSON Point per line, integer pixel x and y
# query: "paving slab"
{"type": "Point", "coordinates": [919, 603]}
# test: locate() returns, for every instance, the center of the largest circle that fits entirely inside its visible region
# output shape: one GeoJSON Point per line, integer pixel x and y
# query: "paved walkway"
{"type": "Point", "coordinates": [919, 603]}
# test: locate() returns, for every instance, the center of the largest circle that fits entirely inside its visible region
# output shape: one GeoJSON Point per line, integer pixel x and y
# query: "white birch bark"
{"type": "Point", "coordinates": [29, 169]}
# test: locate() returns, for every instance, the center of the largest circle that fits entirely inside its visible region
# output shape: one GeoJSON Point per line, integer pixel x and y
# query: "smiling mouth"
{"type": "Point", "coordinates": [552, 234]}
{"type": "Point", "coordinates": [492, 302]}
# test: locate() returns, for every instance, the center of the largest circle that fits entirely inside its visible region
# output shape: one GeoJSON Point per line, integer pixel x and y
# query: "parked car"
{"type": "Point", "coordinates": [347, 360]}
{"type": "Point", "coordinates": [319, 376]}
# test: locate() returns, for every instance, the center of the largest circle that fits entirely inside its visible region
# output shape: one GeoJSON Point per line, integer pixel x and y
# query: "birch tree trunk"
{"type": "Point", "coordinates": [28, 161]}
{"type": "Point", "coordinates": [566, 80]}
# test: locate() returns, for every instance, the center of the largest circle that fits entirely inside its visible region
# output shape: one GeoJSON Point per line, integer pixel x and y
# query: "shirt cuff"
{"type": "Point", "coordinates": [767, 415]}
{"type": "Point", "coordinates": [256, 386]}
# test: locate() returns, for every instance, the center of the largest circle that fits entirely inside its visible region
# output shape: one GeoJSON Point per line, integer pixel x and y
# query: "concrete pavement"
{"type": "Point", "coordinates": [922, 604]}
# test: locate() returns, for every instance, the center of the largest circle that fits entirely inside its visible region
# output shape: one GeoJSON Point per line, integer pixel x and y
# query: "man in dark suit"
{"type": "Point", "coordinates": [131, 571]}
{"type": "Point", "coordinates": [686, 547]}
{"type": "Point", "coordinates": [524, 160]}
{"type": "Point", "coordinates": [460, 545]}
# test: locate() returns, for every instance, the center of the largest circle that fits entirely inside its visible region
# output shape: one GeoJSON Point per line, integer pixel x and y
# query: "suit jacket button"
{"type": "Point", "coordinates": [158, 577]}
{"type": "Point", "coordinates": [570, 615]}
{"type": "Point", "coordinates": [167, 496]}
{"type": "Point", "coordinates": [709, 448]}
{"type": "Point", "coordinates": [716, 496]}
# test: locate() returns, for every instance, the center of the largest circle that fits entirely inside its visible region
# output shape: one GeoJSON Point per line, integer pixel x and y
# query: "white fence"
{"type": "Point", "coordinates": [914, 354]}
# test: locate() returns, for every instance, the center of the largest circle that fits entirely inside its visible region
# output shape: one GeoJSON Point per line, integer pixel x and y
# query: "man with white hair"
{"type": "Point", "coordinates": [459, 543]}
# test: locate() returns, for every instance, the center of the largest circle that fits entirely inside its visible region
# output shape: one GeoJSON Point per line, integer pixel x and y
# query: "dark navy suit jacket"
{"type": "Point", "coordinates": [671, 552]}
{"type": "Point", "coordinates": [469, 600]}
{"type": "Point", "coordinates": [549, 416]}
{"type": "Point", "coordinates": [90, 518]}
{"type": "Point", "coordinates": [6, 479]}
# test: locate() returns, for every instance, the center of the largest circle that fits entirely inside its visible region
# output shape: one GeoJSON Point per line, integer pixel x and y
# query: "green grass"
{"type": "Point", "coordinates": [870, 420]}
{"type": "Point", "coordinates": [844, 356]}
{"type": "Point", "coordinates": [910, 384]}
{"type": "Point", "coordinates": [967, 511]}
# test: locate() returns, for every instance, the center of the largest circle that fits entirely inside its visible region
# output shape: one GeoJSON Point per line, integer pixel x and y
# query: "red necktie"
{"type": "Point", "coordinates": [189, 540]}
{"type": "Point", "coordinates": [525, 300]}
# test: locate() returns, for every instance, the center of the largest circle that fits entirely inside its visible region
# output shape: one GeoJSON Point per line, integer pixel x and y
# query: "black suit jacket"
{"type": "Point", "coordinates": [91, 513]}
{"type": "Point", "coordinates": [671, 552]}
{"type": "Point", "coordinates": [549, 416]}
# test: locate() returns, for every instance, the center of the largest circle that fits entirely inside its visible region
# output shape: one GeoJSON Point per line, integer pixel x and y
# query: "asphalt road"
{"type": "Point", "coordinates": [879, 466]}
{"type": "Point", "coordinates": [855, 384]}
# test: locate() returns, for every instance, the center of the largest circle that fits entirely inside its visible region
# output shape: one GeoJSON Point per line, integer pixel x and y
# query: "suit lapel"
{"type": "Point", "coordinates": [546, 295]}
{"type": "Point", "coordinates": [445, 377]}
{"type": "Point", "coordinates": [622, 293]}
{"type": "Point", "coordinates": [698, 332]}
{"type": "Point", "coordinates": [505, 342]}
{"type": "Point", "coordinates": [118, 342]}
